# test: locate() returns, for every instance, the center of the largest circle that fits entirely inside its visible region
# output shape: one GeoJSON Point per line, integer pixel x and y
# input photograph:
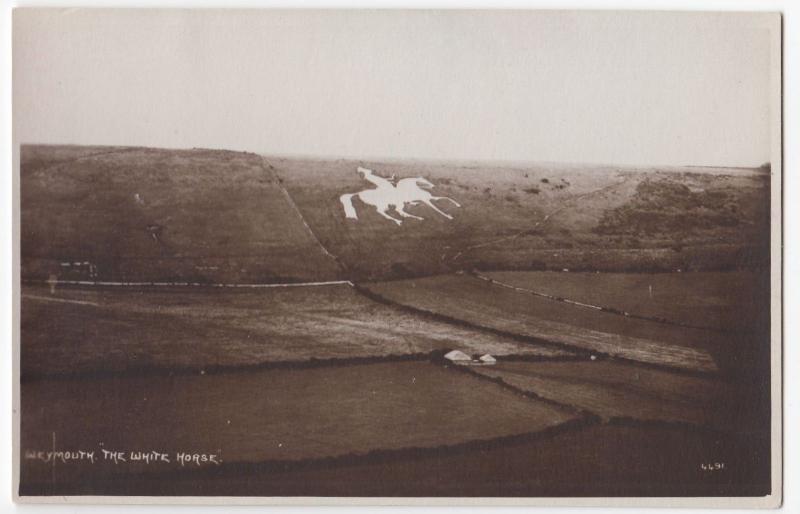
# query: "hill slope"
{"type": "Point", "coordinates": [147, 214]}
{"type": "Point", "coordinates": [114, 213]}
{"type": "Point", "coordinates": [540, 217]}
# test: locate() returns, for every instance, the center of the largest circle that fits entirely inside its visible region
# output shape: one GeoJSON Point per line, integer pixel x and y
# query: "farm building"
{"type": "Point", "coordinates": [458, 357]}
{"type": "Point", "coordinates": [488, 359]}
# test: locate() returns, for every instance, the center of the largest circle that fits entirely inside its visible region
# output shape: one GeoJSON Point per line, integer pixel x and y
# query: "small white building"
{"type": "Point", "coordinates": [458, 357]}
{"type": "Point", "coordinates": [488, 359]}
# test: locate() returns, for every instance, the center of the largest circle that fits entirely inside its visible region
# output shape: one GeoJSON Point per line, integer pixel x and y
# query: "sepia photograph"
{"type": "Point", "coordinates": [398, 254]}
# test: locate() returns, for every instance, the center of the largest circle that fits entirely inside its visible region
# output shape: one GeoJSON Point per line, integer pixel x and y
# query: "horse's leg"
{"type": "Point", "coordinates": [446, 198]}
{"type": "Point", "coordinates": [430, 204]}
{"type": "Point", "coordinates": [382, 211]}
{"type": "Point", "coordinates": [401, 212]}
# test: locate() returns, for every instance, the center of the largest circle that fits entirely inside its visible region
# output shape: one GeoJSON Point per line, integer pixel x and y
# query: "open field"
{"type": "Point", "coordinates": [111, 331]}
{"type": "Point", "coordinates": [274, 415]}
{"type": "Point", "coordinates": [481, 303]}
{"type": "Point", "coordinates": [612, 389]}
{"type": "Point", "coordinates": [721, 300]}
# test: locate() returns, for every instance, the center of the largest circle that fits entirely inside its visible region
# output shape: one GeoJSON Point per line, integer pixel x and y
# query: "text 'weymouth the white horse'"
{"type": "Point", "coordinates": [386, 196]}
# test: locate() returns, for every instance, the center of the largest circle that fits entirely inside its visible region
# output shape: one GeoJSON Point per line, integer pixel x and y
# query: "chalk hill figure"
{"type": "Point", "coordinates": [386, 196]}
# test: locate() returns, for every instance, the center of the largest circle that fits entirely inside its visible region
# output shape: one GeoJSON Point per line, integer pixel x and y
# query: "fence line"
{"type": "Point", "coordinates": [105, 283]}
{"type": "Point", "coordinates": [610, 310]}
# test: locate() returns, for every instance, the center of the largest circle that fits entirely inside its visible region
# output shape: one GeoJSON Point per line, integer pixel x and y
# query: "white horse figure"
{"type": "Point", "coordinates": [387, 195]}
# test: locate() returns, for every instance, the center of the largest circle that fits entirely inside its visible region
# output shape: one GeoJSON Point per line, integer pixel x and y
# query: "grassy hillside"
{"type": "Point", "coordinates": [217, 216]}
{"type": "Point", "coordinates": [540, 217]}
{"type": "Point", "coordinates": [145, 214]}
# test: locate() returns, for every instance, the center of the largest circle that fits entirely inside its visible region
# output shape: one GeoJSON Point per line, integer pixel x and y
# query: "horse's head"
{"type": "Point", "coordinates": [423, 182]}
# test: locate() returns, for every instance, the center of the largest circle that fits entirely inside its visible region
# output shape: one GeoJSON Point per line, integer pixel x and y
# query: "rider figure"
{"type": "Point", "coordinates": [376, 180]}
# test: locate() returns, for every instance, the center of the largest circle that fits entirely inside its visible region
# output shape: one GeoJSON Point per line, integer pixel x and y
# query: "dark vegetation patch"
{"type": "Point", "coordinates": [665, 206]}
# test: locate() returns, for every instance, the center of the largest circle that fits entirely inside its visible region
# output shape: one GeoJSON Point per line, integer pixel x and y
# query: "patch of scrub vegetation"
{"type": "Point", "coordinates": [665, 206]}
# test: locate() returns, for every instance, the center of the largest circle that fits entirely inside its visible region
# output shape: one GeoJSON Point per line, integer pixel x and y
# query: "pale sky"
{"type": "Point", "coordinates": [635, 88]}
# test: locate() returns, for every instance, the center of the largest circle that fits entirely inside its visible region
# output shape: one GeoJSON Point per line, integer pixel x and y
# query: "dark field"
{"type": "Point", "coordinates": [342, 389]}
{"type": "Point", "coordinates": [276, 415]}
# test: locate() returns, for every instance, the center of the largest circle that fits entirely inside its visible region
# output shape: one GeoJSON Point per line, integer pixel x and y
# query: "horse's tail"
{"type": "Point", "coordinates": [347, 203]}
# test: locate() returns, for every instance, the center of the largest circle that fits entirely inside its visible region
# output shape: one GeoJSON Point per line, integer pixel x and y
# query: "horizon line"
{"type": "Point", "coordinates": [378, 158]}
